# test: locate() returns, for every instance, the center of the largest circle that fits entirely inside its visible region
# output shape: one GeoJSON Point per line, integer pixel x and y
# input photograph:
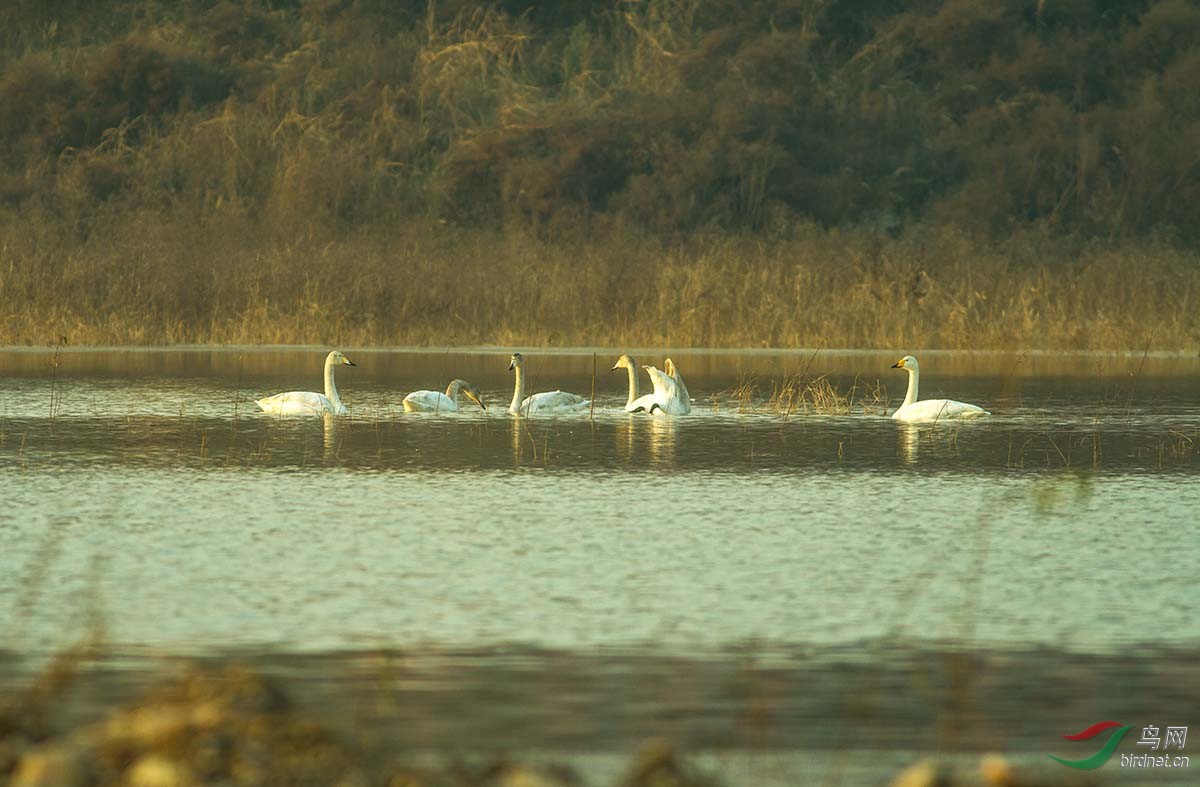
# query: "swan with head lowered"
{"type": "Point", "coordinates": [670, 393]}
{"type": "Point", "coordinates": [547, 403]}
{"type": "Point", "coordinates": [929, 409]}
{"type": "Point", "coordinates": [637, 402]}
{"type": "Point", "coordinates": [307, 402]}
{"type": "Point", "coordinates": [438, 402]}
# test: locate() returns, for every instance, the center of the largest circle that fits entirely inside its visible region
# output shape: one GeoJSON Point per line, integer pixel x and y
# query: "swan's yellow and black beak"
{"type": "Point", "coordinates": [512, 365]}
{"type": "Point", "coordinates": [349, 362]}
{"type": "Point", "coordinates": [898, 364]}
{"type": "Point", "coordinates": [476, 398]}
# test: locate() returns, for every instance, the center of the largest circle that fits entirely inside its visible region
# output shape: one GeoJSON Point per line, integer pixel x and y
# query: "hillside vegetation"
{"type": "Point", "coordinates": [710, 172]}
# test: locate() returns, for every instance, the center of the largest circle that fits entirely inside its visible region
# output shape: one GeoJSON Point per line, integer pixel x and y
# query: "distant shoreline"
{"type": "Point", "coordinates": [480, 349]}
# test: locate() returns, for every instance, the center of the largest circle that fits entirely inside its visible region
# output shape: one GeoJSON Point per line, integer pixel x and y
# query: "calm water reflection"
{"type": "Point", "coordinates": [148, 501]}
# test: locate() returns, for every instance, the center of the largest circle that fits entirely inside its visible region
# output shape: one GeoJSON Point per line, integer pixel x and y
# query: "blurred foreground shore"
{"type": "Point", "coordinates": [298, 722]}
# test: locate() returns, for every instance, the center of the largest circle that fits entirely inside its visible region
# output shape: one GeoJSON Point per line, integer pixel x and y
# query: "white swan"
{"type": "Point", "coordinates": [548, 402]}
{"type": "Point", "coordinates": [438, 402]}
{"type": "Point", "coordinates": [673, 370]}
{"type": "Point", "coordinates": [637, 402]}
{"type": "Point", "coordinates": [669, 391]}
{"type": "Point", "coordinates": [929, 409]}
{"type": "Point", "coordinates": [306, 402]}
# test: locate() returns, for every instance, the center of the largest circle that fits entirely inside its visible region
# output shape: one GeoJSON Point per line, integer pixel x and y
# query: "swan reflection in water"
{"type": "Point", "coordinates": [530, 444]}
{"type": "Point", "coordinates": [908, 443]}
{"type": "Point", "coordinates": [941, 440]}
{"type": "Point", "coordinates": [640, 439]}
{"type": "Point", "coordinates": [624, 433]}
{"type": "Point", "coordinates": [330, 437]}
{"type": "Point", "coordinates": [663, 435]}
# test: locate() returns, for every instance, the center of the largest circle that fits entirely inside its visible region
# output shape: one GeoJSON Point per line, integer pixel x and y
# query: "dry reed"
{"type": "Point", "coordinates": [155, 281]}
{"type": "Point", "coordinates": [362, 173]}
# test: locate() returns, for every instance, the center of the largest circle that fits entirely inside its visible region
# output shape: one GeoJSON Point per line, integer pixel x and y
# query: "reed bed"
{"type": "Point", "coordinates": [148, 280]}
{"type": "Point", "coordinates": [799, 393]}
{"type": "Point", "coordinates": [646, 173]}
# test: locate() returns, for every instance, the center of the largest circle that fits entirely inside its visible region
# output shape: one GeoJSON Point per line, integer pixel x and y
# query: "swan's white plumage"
{"type": "Point", "coordinates": [646, 403]}
{"type": "Point", "coordinates": [673, 371]}
{"type": "Point", "coordinates": [546, 403]}
{"type": "Point", "coordinates": [636, 402]}
{"type": "Point", "coordinates": [438, 402]}
{"type": "Point", "coordinates": [300, 403]}
{"type": "Point", "coordinates": [308, 402]}
{"type": "Point", "coordinates": [553, 401]}
{"type": "Point", "coordinates": [929, 409]}
{"type": "Point", "coordinates": [671, 399]}
{"type": "Point", "coordinates": [429, 402]}
{"type": "Point", "coordinates": [937, 410]}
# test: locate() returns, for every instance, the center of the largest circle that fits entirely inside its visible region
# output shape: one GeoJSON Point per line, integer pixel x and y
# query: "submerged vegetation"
{"type": "Point", "coordinates": [963, 173]}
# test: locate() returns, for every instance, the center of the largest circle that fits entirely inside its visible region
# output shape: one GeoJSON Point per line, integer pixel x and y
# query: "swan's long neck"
{"type": "Point", "coordinates": [518, 390]}
{"type": "Point", "coordinates": [452, 390]}
{"type": "Point", "coordinates": [634, 388]}
{"type": "Point", "coordinates": [331, 392]}
{"type": "Point", "coordinates": [911, 396]}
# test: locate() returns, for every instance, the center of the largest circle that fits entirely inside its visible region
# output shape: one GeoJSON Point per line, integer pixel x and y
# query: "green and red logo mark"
{"type": "Point", "coordinates": [1102, 756]}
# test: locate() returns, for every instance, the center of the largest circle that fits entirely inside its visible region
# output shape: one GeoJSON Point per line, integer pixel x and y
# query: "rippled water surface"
{"type": "Point", "coordinates": [148, 503]}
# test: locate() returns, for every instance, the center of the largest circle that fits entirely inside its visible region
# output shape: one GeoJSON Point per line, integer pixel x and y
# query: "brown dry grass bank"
{"type": "Point", "coordinates": [150, 281]}
{"type": "Point", "coordinates": [690, 172]}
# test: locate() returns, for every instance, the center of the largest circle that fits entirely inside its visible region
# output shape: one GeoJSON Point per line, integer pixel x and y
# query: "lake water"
{"type": "Point", "coordinates": [583, 582]}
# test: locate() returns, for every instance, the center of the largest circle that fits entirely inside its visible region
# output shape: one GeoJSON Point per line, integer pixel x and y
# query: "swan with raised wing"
{"type": "Point", "coordinates": [669, 391]}
{"type": "Point", "coordinates": [308, 402]}
{"type": "Point", "coordinates": [929, 409]}
{"type": "Point", "coordinates": [673, 371]}
{"type": "Point", "coordinates": [438, 402]}
{"type": "Point", "coordinates": [637, 402]}
{"type": "Point", "coordinates": [547, 403]}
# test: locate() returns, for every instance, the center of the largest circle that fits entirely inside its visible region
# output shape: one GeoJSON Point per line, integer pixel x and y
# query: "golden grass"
{"type": "Point", "coordinates": [149, 279]}
{"type": "Point", "coordinates": [800, 394]}
{"type": "Point", "coordinates": [358, 174]}
{"type": "Point", "coordinates": [797, 394]}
